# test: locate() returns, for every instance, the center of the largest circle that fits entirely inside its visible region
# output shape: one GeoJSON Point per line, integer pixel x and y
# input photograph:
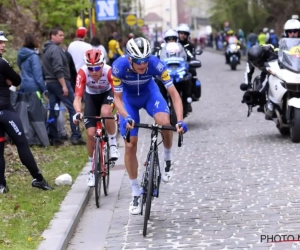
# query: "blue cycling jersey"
{"type": "Point", "coordinates": [127, 81]}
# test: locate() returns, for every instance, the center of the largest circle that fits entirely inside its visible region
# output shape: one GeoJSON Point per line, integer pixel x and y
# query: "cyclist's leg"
{"type": "Point", "coordinates": [157, 107]}
{"type": "Point", "coordinates": [130, 158]}
{"type": "Point", "coordinates": [110, 125]}
{"type": "Point", "coordinates": [91, 108]}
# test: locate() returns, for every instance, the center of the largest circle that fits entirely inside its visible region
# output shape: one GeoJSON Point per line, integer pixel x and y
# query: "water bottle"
{"type": "Point", "coordinates": [56, 109]}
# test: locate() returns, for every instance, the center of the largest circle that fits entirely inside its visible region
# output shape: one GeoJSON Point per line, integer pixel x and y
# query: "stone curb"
{"type": "Point", "coordinates": [65, 221]}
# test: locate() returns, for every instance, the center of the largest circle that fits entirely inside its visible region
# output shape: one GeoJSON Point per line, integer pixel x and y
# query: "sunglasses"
{"type": "Point", "coordinates": [171, 39]}
{"type": "Point", "coordinates": [141, 61]}
{"type": "Point", "coordinates": [95, 68]}
{"type": "Point", "coordinates": [292, 31]}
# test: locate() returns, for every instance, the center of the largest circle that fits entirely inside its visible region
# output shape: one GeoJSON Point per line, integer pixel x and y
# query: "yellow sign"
{"type": "Point", "coordinates": [131, 20]}
{"type": "Point", "coordinates": [140, 22]}
{"type": "Point", "coordinates": [295, 51]}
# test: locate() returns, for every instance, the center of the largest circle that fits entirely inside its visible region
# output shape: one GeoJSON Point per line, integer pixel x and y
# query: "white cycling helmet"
{"type": "Point", "coordinates": [170, 34]}
{"type": "Point", "coordinates": [292, 24]}
{"type": "Point", "coordinates": [138, 48]}
{"type": "Point", "coordinates": [183, 27]}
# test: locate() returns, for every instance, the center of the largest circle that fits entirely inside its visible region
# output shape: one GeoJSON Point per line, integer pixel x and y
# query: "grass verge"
{"type": "Point", "coordinates": [25, 211]}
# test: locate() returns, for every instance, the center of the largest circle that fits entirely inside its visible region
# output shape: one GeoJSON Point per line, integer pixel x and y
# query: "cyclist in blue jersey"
{"type": "Point", "coordinates": [135, 89]}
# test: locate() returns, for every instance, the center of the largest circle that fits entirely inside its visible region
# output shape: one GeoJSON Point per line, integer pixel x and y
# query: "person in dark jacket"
{"type": "Point", "coordinates": [10, 123]}
{"type": "Point", "coordinates": [30, 66]}
{"type": "Point", "coordinates": [57, 75]}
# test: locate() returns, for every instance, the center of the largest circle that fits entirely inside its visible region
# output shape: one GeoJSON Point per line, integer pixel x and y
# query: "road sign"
{"type": "Point", "coordinates": [131, 20]}
{"type": "Point", "coordinates": [140, 22]}
{"type": "Point", "coordinates": [106, 10]}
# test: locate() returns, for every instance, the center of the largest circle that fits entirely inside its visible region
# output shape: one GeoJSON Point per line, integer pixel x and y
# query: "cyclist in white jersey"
{"type": "Point", "coordinates": [94, 81]}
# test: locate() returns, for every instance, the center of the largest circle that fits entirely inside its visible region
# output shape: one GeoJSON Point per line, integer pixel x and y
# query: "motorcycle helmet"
{"type": "Point", "coordinates": [170, 35]}
{"type": "Point", "coordinates": [256, 56]}
{"type": "Point", "coordinates": [292, 25]}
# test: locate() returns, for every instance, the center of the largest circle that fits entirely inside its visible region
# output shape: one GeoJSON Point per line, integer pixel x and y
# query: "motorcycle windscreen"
{"type": "Point", "coordinates": [289, 54]}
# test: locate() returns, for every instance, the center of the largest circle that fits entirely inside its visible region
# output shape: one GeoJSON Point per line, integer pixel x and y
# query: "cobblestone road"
{"type": "Point", "coordinates": [236, 178]}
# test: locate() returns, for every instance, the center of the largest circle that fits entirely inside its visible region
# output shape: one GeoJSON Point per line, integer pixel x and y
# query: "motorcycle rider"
{"type": "Point", "coordinates": [258, 55]}
{"type": "Point", "coordinates": [184, 36]}
{"type": "Point", "coordinates": [231, 38]}
{"type": "Point", "coordinates": [171, 36]}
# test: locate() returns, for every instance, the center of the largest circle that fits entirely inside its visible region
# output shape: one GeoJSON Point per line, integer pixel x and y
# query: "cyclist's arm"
{"type": "Point", "coordinates": [79, 90]}
{"type": "Point", "coordinates": [110, 79]}
{"type": "Point", "coordinates": [176, 100]}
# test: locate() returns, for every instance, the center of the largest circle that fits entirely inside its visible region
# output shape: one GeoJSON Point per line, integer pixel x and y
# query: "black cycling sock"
{"type": "Point", "coordinates": [28, 161]}
{"type": "Point", "coordinates": [2, 165]}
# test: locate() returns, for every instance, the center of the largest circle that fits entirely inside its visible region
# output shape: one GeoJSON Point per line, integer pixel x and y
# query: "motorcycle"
{"type": "Point", "coordinates": [232, 51]}
{"type": "Point", "coordinates": [283, 94]}
{"type": "Point", "coordinates": [178, 70]}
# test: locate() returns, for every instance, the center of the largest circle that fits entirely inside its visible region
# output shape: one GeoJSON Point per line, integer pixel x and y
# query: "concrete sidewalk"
{"type": "Point", "coordinates": [65, 221]}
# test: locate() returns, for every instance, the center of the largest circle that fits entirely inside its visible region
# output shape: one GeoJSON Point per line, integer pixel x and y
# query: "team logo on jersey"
{"type": "Point", "coordinates": [160, 67]}
{"type": "Point", "coordinates": [165, 76]}
{"type": "Point", "coordinates": [116, 81]}
{"type": "Point", "coordinates": [115, 70]}
{"type": "Point", "coordinates": [78, 81]}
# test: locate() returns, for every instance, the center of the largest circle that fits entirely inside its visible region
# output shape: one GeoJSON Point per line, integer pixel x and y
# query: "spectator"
{"type": "Point", "coordinates": [114, 50]}
{"type": "Point", "coordinates": [252, 39]}
{"type": "Point", "coordinates": [11, 124]}
{"type": "Point", "coordinates": [78, 47]}
{"type": "Point", "coordinates": [262, 38]}
{"type": "Point", "coordinates": [61, 120]}
{"type": "Point", "coordinates": [273, 39]}
{"type": "Point", "coordinates": [95, 42]}
{"type": "Point", "coordinates": [30, 66]}
{"type": "Point", "coordinates": [57, 74]}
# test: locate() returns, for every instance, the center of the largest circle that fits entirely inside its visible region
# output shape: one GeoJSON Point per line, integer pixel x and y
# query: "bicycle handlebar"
{"type": "Point", "coordinates": [152, 127]}
{"type": "Point", "coordinates": [99, 118]}
{"type": "Point", "coordinates": [95, 117]}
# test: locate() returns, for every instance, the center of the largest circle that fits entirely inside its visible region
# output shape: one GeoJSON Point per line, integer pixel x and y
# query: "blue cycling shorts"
{"type": "Point", "coordinates": [153, 102]}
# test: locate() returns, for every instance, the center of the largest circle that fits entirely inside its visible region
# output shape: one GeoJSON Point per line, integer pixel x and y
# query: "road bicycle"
{"type": "Point", "coordinates": [152, 174]}
{"type": "Point", "coordinates": [101, 164]}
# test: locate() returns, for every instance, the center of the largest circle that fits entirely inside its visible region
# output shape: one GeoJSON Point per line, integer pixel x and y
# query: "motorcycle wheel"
{"type": "Point", "coordinates": [295, 125]}
{"type": "Point", "coordinates": [233, 66]}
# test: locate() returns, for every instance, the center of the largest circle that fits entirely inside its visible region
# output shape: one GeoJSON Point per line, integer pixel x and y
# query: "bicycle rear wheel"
{"type": "Point", "coordinates": [97, 172]}
{"type": "Point", "coordinates": [106, 175]}
{"type": "Point", "coordinates": [149, 193]}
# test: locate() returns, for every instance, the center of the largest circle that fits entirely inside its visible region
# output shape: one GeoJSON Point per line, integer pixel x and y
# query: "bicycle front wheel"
{"type": "Point", "coordinates": [106, 173]}
{"type": "Point", "coordinates": [149, 192]}
{"type": "Point", "coordinates": [97, 172]}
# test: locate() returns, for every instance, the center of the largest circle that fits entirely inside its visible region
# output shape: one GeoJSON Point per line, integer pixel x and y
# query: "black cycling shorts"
{"type": "Point", "coordinates": [93, 104]}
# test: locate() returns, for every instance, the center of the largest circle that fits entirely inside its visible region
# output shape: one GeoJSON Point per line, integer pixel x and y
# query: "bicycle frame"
{"type": "Point", "coordinates": [156, 177]}
{"type": "Point", "coordinates": [151, 176]}
{"type": "Point", "coordinates": [100, 133]}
